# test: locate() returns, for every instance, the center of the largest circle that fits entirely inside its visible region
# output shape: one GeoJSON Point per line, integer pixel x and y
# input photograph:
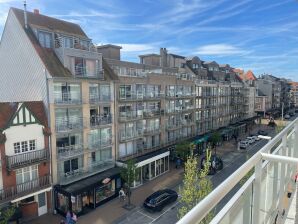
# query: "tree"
{"type": "Point", "coordinates": [183, 149]}
{"type": "Point", "coordinates": [195, 187]}
{"type": "Point", "coordinates": [129, 174]}
{"type": "Point", "coordinates": [6, 214]}
{"type": "Point", "coordinates": [215, 139]}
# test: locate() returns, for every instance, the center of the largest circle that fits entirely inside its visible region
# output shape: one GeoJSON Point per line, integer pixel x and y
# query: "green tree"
{"type": "Point", "coordinates": [183, 149]}
{"type": "Point", "coordinates": [195, 187]}
{"type": "Point", "coordinates": [6, 214]}
{"type": "Point", "coordinates": [129, 174]}
{"type": "Point", "coordinates": [214, 140]}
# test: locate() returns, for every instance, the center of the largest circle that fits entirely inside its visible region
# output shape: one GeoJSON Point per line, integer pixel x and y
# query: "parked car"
{"type": "Point", "coordinates": [159, 199]}
{"type": "Point", "coordinates": [216, 164]}
{"type": "Point", "coordinates": [250, 140]}
{"type": "Point", "coordinates": [244, 144]}
{"type": "Point", "coordinates": [287, 116]}
{"type": "Point", "coordinates": [255, 137]}
{"type": "Point", "coordinates": [261, 132]}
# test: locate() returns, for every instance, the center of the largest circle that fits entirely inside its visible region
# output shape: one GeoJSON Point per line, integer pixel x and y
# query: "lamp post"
{"type": "Point", "coordinates": [282, 111]}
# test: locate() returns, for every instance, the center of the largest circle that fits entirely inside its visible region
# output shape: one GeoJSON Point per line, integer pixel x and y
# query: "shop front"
{"type": "Point", "coordinates": [87, 194]}
{"type": "Point", "coordinates": [151, 166]}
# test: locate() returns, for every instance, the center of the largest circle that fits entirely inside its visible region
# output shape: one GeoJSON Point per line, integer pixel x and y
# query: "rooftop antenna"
{"type": "Point", "coordinates": [25, 14]}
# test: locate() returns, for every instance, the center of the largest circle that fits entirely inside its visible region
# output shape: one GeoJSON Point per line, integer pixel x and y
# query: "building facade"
{"type": "Point", "coordinates": [25, 158]}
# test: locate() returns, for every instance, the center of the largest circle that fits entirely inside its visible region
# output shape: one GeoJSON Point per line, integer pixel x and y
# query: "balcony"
{"type": "Point", "coordinates": [83, 172]}
{"type": "Point", "coordinates": [20, 190]}
{"type": "Point", "coordinates": [267, 195]}
{"type": "Point", "coordinates": [67, 98]}
{"type": "Point", "coordinates": [173, 126]}
{"type": "Point", "coordinates": [130, 115]}
{"type": "Point", "coordinates": [151, 130]}
{"type": "Point", "coordinates": [26, 159]}
{"type": "Point", "coordinates": [67, 125]}
{"type": "Point", "coordinates": [152, 113]}
{"type": "Point", "coordinates": [100, 144]}
{"type": "Point", "coordinates": [66, 152]}
{"type": "Point", "coordinates": [81, 72]}
{"type": "Point", "coordinates": [98, 120]}
{"type": "Point", "coordinates": [130, 135]}
{"type": "Point", "coordinates": [153, 96]}
{"type": "Point", "coordinates": [96, 99]}
{"type": "Point", "coordinates": [131, 96]}
{"type": "Point", "coordinates": [187, 122]}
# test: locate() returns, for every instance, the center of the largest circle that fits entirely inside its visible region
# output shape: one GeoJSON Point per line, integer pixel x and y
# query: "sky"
{"type": "Point", "coordinates": [261, 35]}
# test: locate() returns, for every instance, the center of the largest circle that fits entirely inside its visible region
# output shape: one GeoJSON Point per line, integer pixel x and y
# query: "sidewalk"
{"type": "Point", "coordinates": [113, 210]}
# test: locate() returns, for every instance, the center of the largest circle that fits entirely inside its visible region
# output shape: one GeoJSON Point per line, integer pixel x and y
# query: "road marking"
{"type": "Point", "coordinates": [145, 215]}
{"type": "Point", "coordinates": [164, 212]}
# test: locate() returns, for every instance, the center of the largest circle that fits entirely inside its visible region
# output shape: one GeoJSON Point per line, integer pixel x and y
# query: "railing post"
{"type": "Point", "coordinates": [257, 192]}
{"type": "Point", "coordinates": [296, 140]}
{"type": "Point", "coordinates": [282, 175]}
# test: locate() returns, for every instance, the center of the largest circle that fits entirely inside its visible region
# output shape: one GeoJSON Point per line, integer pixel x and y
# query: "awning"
{"type": "Point", "coordinates": [90, 182]}
{"type": "Point", "coordinates": [32, 194]}
{"type": "Point", "coordinates": [202, 139]}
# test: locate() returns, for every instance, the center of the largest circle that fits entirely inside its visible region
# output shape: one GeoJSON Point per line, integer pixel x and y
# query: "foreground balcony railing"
{"type": "Point", "coordinates": [25, 159]}
{"type": "Point", "coordinates": [263, 197]}
{"type": "Point", "coordinates": [10, 193]}
{"type": "Point", "coordinates": [83, 172]}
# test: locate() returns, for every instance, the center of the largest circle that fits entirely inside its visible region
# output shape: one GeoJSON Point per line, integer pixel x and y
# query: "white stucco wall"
{"type": "Point", "coordinates": [23, 133]}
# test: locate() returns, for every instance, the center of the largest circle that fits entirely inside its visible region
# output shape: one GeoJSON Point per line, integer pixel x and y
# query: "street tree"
{"type": "Point", "coordinates": [129, 173]}
{"type": "Point", "coordinates": [195, 187]}
{"type": "Point", "coordinates": [183, 149]}
{"type": "Point", "coordinates": [214, 140]}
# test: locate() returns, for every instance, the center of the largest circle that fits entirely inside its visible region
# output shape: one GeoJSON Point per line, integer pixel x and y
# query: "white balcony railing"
{"type": "Point", "coordinates": [67, 97]}
{"type": "Point", "coordinates": [262, 198]}
{"type": "Point", "coordinates": [69, 124]}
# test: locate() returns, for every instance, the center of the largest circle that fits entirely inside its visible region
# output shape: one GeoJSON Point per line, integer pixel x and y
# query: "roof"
{"type": "Point", "coordinates": [108, 45]}
{"type": "Point", "coordinates": [177, 56]}
{"type": "Point", "coordinates": [8, 110]}
{"type": "Point", "coordinates": [209, 62]}
{"type": "Point", "coordinates": [48, 56]}
{"type": "Point", "coordinates": [49, 23]}
{"type": "Point", "coordinates": [250, 75]}
{"type": "Point", "coordinates": [148, 55]}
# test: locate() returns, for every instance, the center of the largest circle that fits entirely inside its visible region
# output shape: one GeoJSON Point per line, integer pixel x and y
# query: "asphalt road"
{"type": "Point", "coordinates": [232, 161]}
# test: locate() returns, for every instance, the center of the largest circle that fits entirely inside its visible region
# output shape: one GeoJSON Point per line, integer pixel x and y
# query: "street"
{"type": "Point", "coordinates": [232, 161]}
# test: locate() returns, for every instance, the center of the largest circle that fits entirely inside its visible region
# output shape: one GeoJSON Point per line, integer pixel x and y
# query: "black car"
{"type": "Point", "coordinates": [261, 132]}
{"type": "Point", "coordinates": [159, 199]}
{"type": "Point", "coordinates": [216, 164]}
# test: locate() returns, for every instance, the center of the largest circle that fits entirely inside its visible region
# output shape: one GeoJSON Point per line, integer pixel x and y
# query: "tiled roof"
{"type": "Point", "coordinates": [8, 110]}
{"type": "Point", "coordinates": [49, 23]}
{"type": "Point", "coordinates": [250, 75]}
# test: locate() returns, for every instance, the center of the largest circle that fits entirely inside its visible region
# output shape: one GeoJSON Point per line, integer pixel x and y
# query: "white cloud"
{"type": "Point", "coordinates": [220, 49]}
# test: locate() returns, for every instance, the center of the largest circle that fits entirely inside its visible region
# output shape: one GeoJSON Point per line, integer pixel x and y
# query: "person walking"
{"type": "Point", "coordinates": [122, 195]}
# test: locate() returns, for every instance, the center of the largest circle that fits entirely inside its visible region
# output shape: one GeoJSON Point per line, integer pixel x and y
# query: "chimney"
{"type": "Point", "coordinates": [36, 11]}
{"type": "Point", "coordinates": [25, 14]}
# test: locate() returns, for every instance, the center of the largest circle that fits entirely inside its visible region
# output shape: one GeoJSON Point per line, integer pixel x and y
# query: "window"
{"type": "Point", "coordinates": [71, 165]}
{"type": "Point", "coordinates": [32, 145]}
{"type": "Point", "coordinates": [28, 200]}
{"type": "Point", "coordinates": [24, 145]}
{"type": "Point", "coordinates": [68, 42]}
{"type": "Point", "coordinates": [17, 147]}
{"type": "Point", "coordinates": [26, 174]}
{"type": "Point", "coordinates": [45, 39]}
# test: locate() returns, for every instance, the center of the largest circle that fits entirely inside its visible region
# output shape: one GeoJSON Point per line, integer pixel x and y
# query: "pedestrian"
{"type": "Point", "coordinates": [69, 219]}
{"type": "Point", "coordinates": [122, 194]}
{"type": "Point", "coordinates": [74, 218]}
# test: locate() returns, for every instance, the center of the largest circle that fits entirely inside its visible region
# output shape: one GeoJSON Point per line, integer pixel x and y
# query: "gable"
{"type": "Point", "coordinates": [23, 116]}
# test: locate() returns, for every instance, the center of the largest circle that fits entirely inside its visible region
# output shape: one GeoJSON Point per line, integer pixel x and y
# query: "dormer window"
{"type": "Point", "coordinates": [45, 39]}
{"type": "Point", "coordinates": [68, 42]}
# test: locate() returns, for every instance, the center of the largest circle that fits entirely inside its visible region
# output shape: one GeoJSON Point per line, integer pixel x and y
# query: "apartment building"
{"type": "Point", "coordinates": [154, 110]}
{"type": "Point", "coordinates": [25, 176]}
{"type": "Point", "coordinates": [54, 61]}
{"type": "Point", "coordinates": [294, 94]}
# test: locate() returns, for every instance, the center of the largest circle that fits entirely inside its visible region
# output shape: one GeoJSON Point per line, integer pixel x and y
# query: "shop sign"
{"type": "Point", "coordinates": [106, 180]}
{"type": "Point", "coordinates": [73, 199]}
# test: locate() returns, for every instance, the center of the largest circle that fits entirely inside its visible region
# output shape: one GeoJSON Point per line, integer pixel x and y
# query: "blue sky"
{"type": "Point", "coordinates": [261, 35]}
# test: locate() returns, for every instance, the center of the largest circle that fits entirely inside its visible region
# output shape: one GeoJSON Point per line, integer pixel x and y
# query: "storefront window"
{"type": "Point", "coordinates": [166, 163]}
{"type": "Point", "coordinates": [76, 203]}
{"type": "Point", "coordinates": [158, 171]}
{"type": "Point", "coordinates": [105, 191]}
{"type": "Point", "coordinates": [162, 164]}
{"type": "Point", "coordinates": [138, 177]}
{"type": "Point", "coordinates": [152, 170]}
{"type": "Point", "coordinates": [62, 202]}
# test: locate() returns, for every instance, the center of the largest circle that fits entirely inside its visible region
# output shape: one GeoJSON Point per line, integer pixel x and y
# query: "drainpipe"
{"type": "Point", "coordinates": [25, 14]}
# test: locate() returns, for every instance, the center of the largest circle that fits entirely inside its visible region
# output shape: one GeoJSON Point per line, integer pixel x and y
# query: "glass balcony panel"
{"type": "Point", "coordinates": [100, 119]}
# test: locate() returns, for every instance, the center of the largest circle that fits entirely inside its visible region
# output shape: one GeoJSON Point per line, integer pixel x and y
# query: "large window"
{"type": "Point", "coordinates": [85, 67]}
{"type": "Point", "coordinates": [26, 174]}
{"type": "Point", "coordinates": [24, 146]}
{"type": "Point", "coordinates": [45, 39]}
{"type": "Point", "coordinates": [105, 191]}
